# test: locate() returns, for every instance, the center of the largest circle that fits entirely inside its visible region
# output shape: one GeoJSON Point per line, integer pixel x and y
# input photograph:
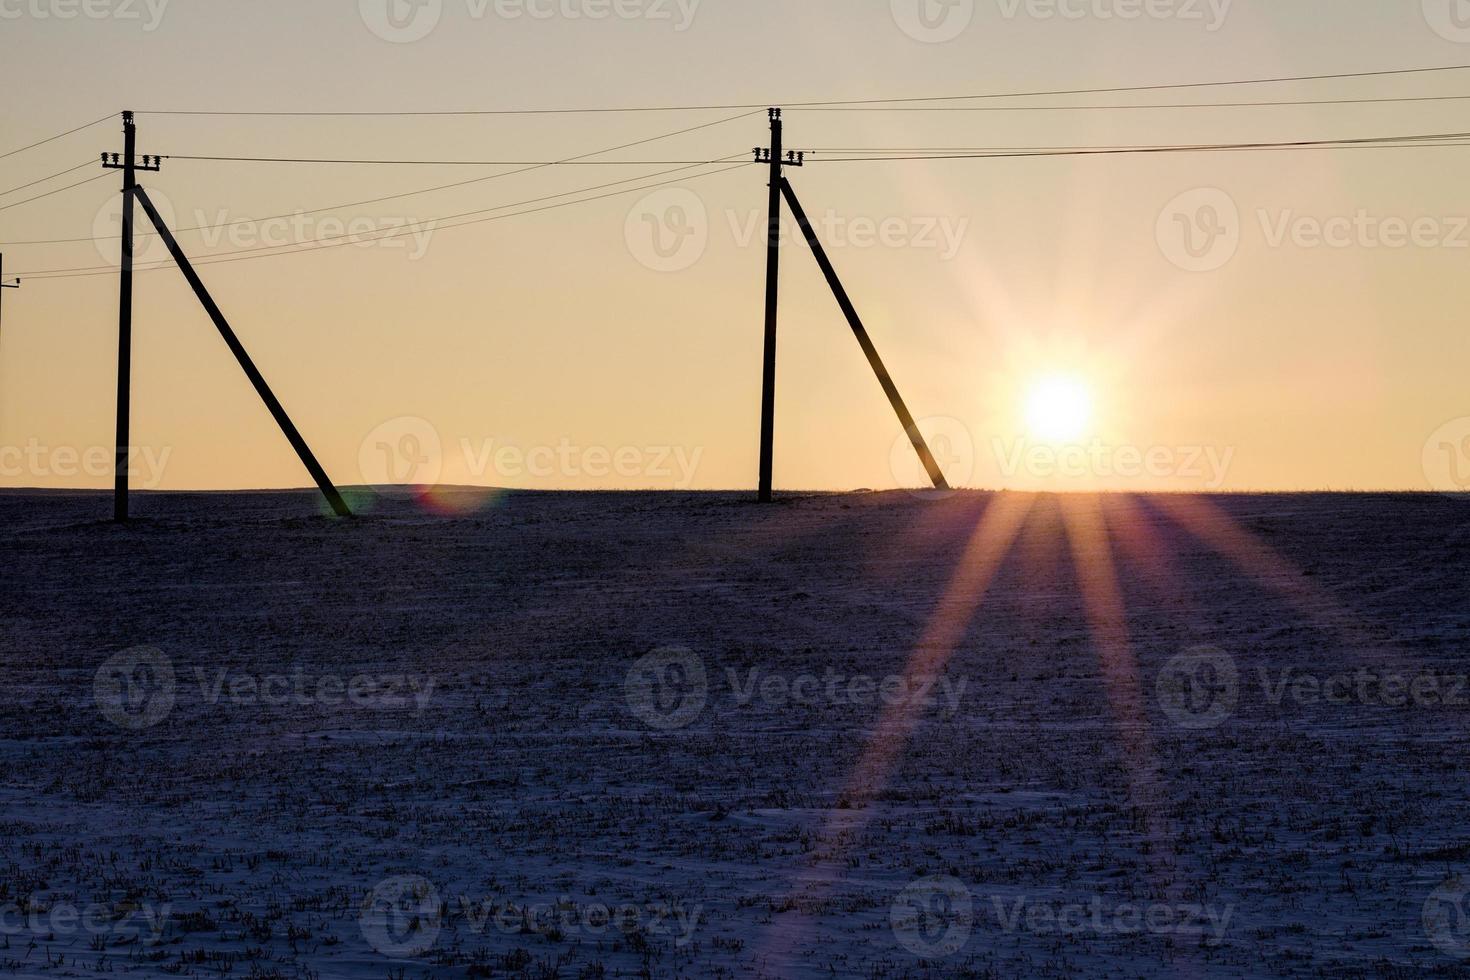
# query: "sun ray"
{"type": "Point", "coordinates": [1102, 598]}
{"type": "Point", "coordinates": [986, 551]}
{"type": "Point", "coordinates": [1133, 529]}
{"type": "Point", "coordinates": [1209, 523]}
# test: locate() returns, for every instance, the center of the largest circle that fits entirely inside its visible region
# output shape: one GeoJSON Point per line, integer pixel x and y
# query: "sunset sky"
{"type": "Point", "coordinates": [1022, 305]}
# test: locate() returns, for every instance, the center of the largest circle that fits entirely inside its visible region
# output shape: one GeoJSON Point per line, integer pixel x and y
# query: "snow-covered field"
{"type": "Point", "coordinates": [870, 735]}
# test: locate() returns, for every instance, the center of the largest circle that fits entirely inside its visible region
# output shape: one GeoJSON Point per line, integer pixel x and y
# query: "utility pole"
{"type": "Point", "coordinates": [781, 188]}
{"type": "Point", "coordinates": [130, 167]}
{"type": "Point", "coordinates": [772, 156]}
{"type": "Point", "coordinates": [133, 194]}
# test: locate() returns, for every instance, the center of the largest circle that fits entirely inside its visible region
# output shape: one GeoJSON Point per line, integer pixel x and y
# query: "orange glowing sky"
{"type": "Point", "coordinates": [559, 349]}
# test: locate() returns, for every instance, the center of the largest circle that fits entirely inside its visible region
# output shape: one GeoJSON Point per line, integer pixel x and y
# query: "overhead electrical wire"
{"type": "Point", "coordinates": [1270, 104]}
{"type": "Point", "coordinates": [447, 163]}
{"type": "Point", "coordinates": [425, 190]}
{"type": "Point", "coordinates": [821, 155]}
{"type": "Point", "coordinates": [16, 204]}
{"type": "Point", "coordinates": [341, 240]}
{"type": "Point", "coordinates": [49, 139]}
{"type": "Point", "coordinates": [901, 155]}
{"type": "Point", "coordinates": [42, 180]}
{"type": "Point", "coordinates": [1117, 89]}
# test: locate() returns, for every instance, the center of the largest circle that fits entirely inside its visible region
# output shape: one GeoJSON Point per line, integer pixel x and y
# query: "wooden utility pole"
{"type": "Point", "coordinates": [129, 166]}
{"type": "Point", "coordinates": [781, 187]}
{"type": "Point", "coordinates": [772, 156]}
{"type": "Point", "coordinates": [132, 193]}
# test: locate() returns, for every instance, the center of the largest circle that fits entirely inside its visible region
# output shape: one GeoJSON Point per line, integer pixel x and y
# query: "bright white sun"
{"type": "Point", "coordinates": [1059, 408]}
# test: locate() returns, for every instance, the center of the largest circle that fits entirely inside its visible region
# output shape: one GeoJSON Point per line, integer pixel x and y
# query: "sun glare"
{"type": "Point", "coordinates": [1059, 408]}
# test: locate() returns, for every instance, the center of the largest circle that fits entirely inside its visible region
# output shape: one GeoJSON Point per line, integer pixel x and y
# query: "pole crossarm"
{"type": "Point", "coordinates": [278, 412]}
{"type": "Point", "coordinates": [884, 378]}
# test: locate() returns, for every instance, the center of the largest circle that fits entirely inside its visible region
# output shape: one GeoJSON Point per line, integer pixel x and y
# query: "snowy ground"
{"type": "Point", "coordinates": [619, 735]}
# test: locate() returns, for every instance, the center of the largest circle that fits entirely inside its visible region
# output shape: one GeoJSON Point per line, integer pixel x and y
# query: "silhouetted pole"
{"type": "Point", "coordinates": [129, 166]}
{"type": "Point", "coordinates": [848, 310]}
{"type": "Point", "coordinates": [339, 506]}
{"type": "Point", "coordinates": [773, 275]}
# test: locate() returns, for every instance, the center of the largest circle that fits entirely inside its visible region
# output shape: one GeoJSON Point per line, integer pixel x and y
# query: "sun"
{"type": "Point", "coordinates": [1059, 408]}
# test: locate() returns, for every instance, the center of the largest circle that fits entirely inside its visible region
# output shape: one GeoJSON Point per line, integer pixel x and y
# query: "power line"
{"type": "Point", "coordinates": [434, 222]}
{"type": "Point", "coordinates": [1393, 140]}
{"type": "Point", "coordinates": [1147, 105]}
{"type": "Point", "coordinates": [1403, 142]}
{"type": "Point", "coordinates": [338, 241]}
{"type": "Point", "coordinates": [61, 173]}
{"type": "Point", "coordinates": [1118, 89]}
{"type": "Point", "coordinates": [425, 190]}
{"type": "Point", "coordinates": [659, 163]}
{"type": "Point", "coordinates": [448, 163]}
{"type": "Point", "coordinates": [7, 207]}
{"type": "Point", "coordinates": [58, 136]}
